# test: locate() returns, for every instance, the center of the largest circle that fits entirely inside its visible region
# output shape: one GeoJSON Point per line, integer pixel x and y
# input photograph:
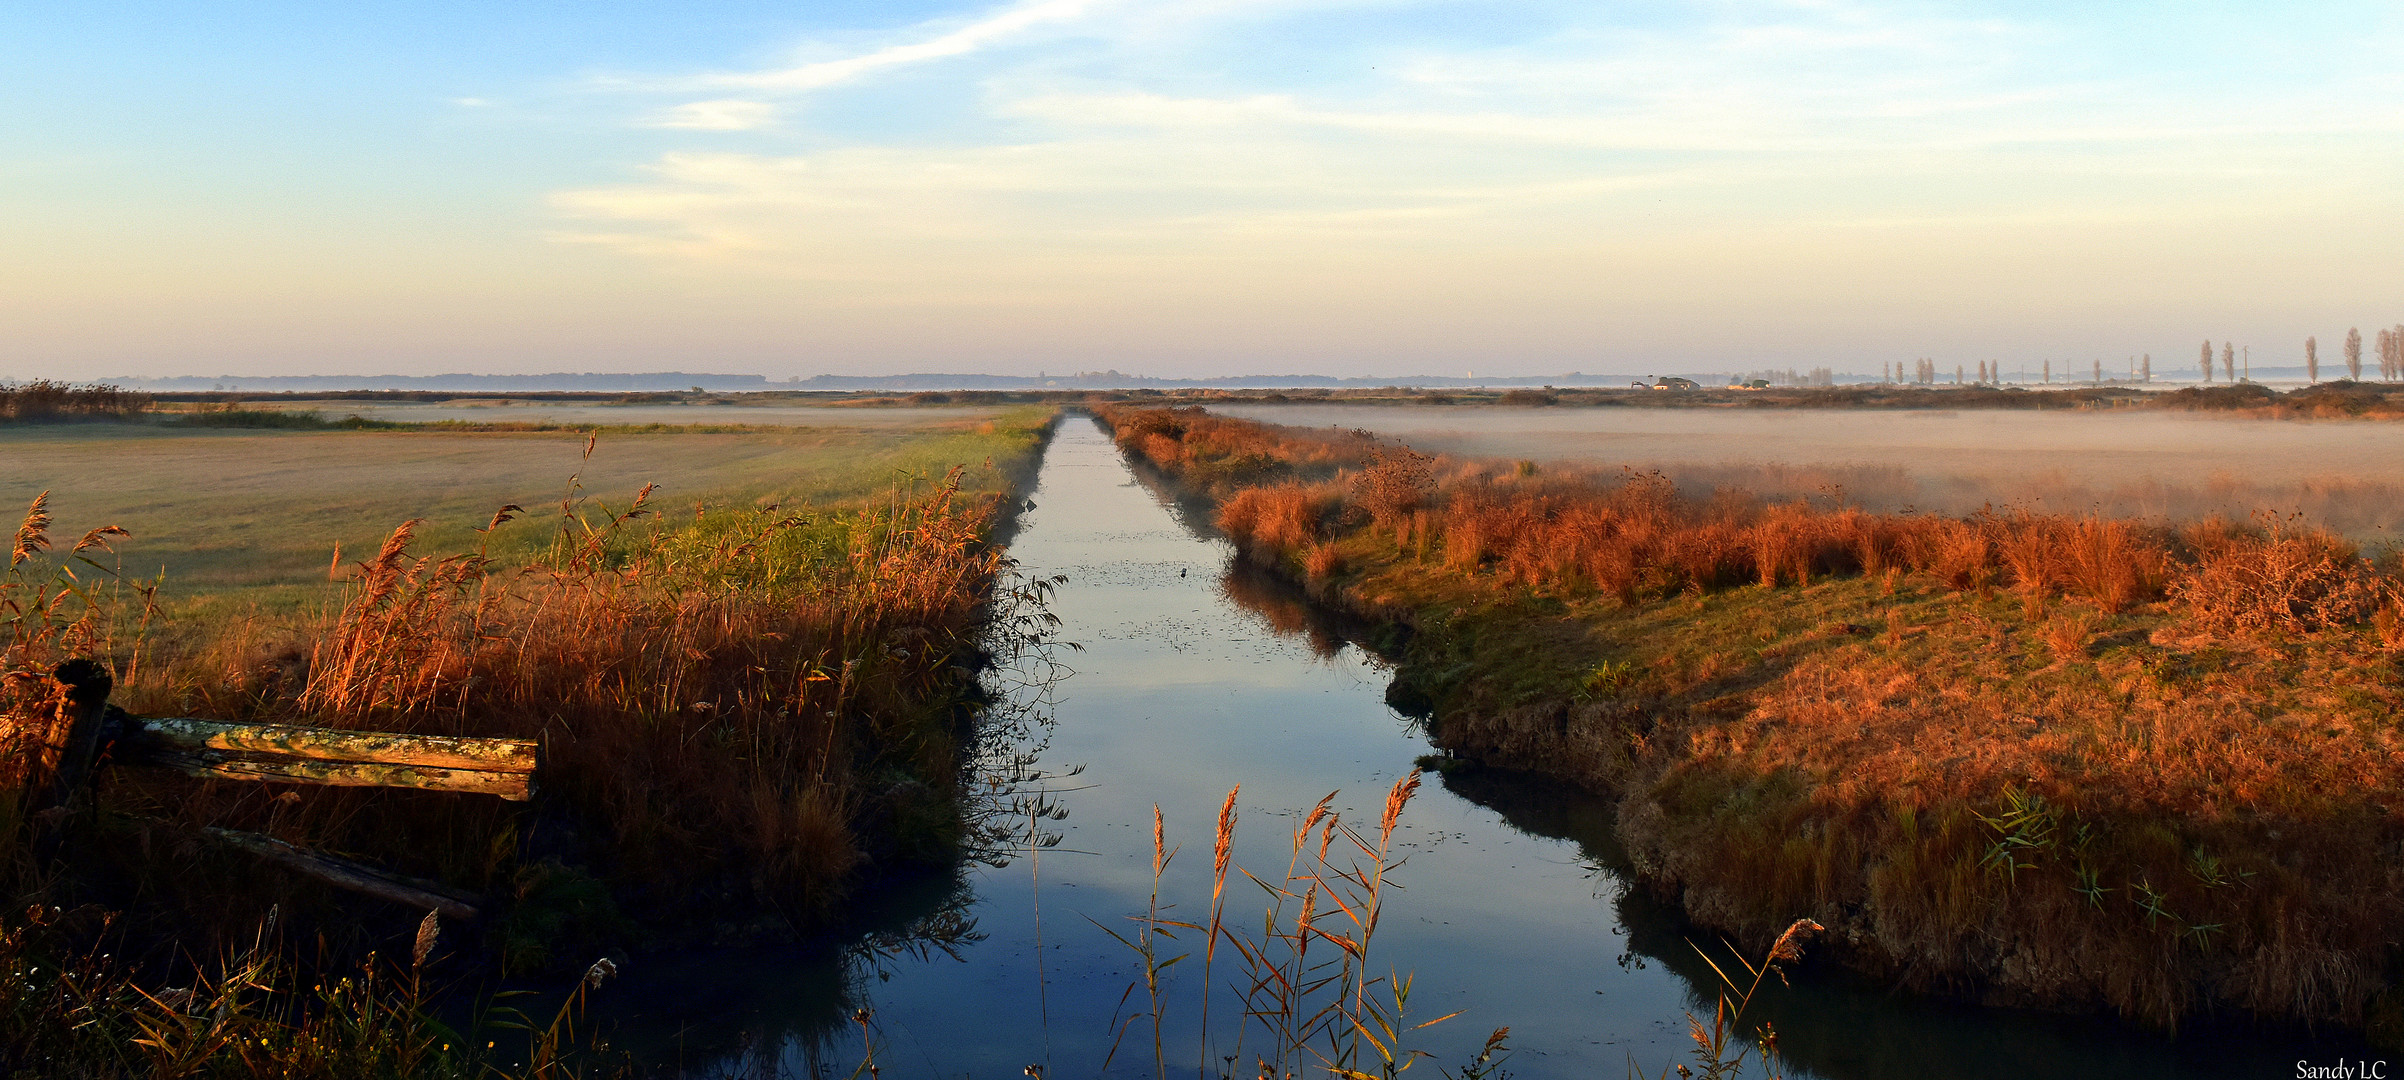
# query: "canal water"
{"type": "Point", "coordinates": [1195, 677]}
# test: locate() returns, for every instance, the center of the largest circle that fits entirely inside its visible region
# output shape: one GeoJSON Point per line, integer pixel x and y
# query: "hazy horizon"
{"type": "Point", "coordinates": [1192, 188]}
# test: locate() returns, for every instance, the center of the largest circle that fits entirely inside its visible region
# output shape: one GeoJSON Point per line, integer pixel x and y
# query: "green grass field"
{"type": "Point", "coordinates": [255, 515]}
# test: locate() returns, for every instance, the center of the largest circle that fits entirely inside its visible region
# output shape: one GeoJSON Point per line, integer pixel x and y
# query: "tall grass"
{"type": "Point", "coordinates": [743, 712]}
{"type": "Point", "coordinates": [1637, 538]}
{"type": "Point", "coordinates": [43, 400]}
{"type": "Point", "coordinates": [1313, 1003]}
{"type": "Point", "coordinates": [739, 708]}
{"type": "Point", "coordinates": [2205, 715]}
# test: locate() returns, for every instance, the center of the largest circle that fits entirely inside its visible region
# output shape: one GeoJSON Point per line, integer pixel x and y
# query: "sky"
{"type": "Point", "coordinates": [1189, 187]}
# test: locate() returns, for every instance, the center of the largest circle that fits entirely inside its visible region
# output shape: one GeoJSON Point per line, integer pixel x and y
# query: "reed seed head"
{"type": "Point", "coordinates": [1224, 841]}
{"type": "Point", "coordinates": [1789, 946]}
{"type": "Point", "coordinates": [427, 931]}
{"type": "Point", "coordinates": [1395, 801]}
{"type": "Point", "coordinates": [34, 535]}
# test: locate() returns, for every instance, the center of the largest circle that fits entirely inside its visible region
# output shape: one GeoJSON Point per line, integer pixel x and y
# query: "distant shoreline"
{"type": "Point", "coordinates": [722, 382]}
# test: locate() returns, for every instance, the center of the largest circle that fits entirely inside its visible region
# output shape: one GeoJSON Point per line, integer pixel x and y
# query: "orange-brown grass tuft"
{"type": "Point", "coordinates": [2277, 578]}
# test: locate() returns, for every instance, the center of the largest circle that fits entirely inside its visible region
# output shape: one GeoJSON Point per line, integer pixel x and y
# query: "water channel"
{"type": "Point", "coordinates": [1194, 678]}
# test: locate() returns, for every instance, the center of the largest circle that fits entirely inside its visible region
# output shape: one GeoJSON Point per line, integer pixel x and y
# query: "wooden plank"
{"type": "Point", "coordinates": [345, 874]}
{"type": "Point", "coordinates": [190, 735]}
{"type": "Point", "coordinates": [512, 786]}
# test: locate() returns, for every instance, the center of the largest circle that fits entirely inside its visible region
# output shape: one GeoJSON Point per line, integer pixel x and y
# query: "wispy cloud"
{"type": "Point", "coordinates": [725, 114]}
{"type": "Point", "coordinates": [1168, 141]}
{"type": "Point", "coordinates": [958, 41]}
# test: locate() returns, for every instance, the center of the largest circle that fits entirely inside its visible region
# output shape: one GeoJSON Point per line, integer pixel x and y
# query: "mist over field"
{"type": "Point", "coordinates": [2347, 476]}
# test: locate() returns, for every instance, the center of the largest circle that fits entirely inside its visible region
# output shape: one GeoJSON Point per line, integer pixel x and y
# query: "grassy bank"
{"type": "Point", "coordinates": [2067, 762]}
{"type": "Point", "coordinates": [748, 708]}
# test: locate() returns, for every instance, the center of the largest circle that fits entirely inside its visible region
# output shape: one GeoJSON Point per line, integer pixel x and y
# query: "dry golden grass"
{"type": "Point", "coordinates": [743, 708]}
{"type": "Point", "coordinates": [2159, 778]}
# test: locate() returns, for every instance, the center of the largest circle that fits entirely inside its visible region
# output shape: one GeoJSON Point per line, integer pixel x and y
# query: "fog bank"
{"type": "Point", "coordinates": [2347, 475]}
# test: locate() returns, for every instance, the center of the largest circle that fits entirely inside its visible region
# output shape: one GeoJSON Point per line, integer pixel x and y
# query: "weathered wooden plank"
{"type": "Point", "coordinates": [345, 874]}
{"type": "Point", "coordinates": [330, 744]}
{"type": "Point", "coordinates": [513, 786]}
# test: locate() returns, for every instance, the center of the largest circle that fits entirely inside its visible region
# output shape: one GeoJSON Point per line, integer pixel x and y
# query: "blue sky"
{"type": "Point", "coordinates": [1199, 187]}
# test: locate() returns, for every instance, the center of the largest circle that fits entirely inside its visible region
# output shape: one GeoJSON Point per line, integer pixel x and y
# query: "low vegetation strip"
{"type": "Point", "coordinates": [2070, 762]}
{"type": "Point", "coordinates": [43, 400]}
{"type": "Point", "coordinates": [745, 711]}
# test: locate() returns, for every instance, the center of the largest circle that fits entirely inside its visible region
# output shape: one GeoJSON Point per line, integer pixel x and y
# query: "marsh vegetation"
{"type": "Point", "coordinates": [2051, 759]}
{"type": "Point", "coordinates": [748, 705]}
{"type": "Point", "coordinates": [2072, 760]}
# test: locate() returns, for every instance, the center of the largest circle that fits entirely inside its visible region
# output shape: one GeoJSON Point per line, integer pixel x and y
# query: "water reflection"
{"type": "Point", "coordinates": [1831, 1023]}
{"type": "Point", "coordinates": [1198, 674]}
{"type": "Point", "coordinates": [1285, 610]}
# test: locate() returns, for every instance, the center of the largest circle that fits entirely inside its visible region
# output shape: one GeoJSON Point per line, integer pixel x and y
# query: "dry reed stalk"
{"type": "Point", "coordinates": [1222, 847]}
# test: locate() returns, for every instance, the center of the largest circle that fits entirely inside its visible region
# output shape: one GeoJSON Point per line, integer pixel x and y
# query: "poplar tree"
{"type": "Point", "coordinates": [2145, 368]}
{"type": "Point", "coordinates": [2354, 353]}
{"type": "Point", "coordinates": [2312, 359]}
{"type": "Point", "coordinates": [2207, 360]}
{"type": "Point", "coordinates": [2228, 362]}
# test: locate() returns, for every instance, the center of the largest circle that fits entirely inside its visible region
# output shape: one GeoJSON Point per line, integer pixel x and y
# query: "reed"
{"type": "Point", "coordinates": [2204, 710]}
{"type": "Point", "coordinates": [1311, 999]}
{"type": "Point", "coordinates": [1721, 1049]}
{"type": "Point", "coordinates": [44, 400]}
{"type": "Point", "coordinates": [744, 708]}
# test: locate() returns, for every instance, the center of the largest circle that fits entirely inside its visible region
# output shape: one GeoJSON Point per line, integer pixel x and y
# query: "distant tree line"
{"type": "Point", "coordinates": [1818, 376]}
{"type": "Point", "coordinates": [2388, 346]}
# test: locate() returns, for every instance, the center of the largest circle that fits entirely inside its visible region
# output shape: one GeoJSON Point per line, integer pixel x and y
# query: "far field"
{"type": "Point", "coordinates": [260, 511]}
{"type": "Point", "coordinates": [2345, 474]}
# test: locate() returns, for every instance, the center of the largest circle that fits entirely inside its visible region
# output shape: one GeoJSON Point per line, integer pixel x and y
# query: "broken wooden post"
{"type": "Point", "coordinates": [307, 755]}
{"type": "Point", "coordinates": [88, 686]}
{"type": "Point", "coordinates": [345, 874]}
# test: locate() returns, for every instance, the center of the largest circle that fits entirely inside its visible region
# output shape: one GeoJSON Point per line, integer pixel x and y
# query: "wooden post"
{"type": "Point", "coordinates": [88, 685]}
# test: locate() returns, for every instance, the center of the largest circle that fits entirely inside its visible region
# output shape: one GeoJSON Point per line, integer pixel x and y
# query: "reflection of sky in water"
{"type": "Point", "coordinates": [1181, 692]}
